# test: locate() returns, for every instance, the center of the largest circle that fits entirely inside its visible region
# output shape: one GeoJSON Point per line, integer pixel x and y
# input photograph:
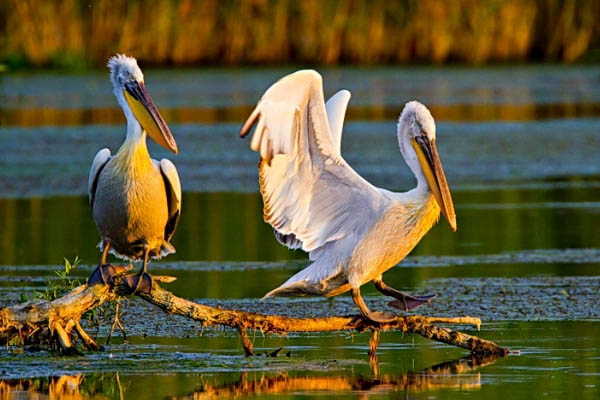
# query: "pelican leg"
{"type": "Point", "coordinates": [104, 273]}
{"type": "Point", "coordinates": [142, 281]}
{"type": "Point", "coordinates": [377, 317]}
{"type": "Point", "coordinates": [105, 248]}
{"type": "Point", "coordinates": [404, 301]}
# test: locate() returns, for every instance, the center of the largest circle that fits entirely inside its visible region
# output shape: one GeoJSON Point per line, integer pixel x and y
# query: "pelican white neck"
{"type": "Point", "coordinates": [134, 129]}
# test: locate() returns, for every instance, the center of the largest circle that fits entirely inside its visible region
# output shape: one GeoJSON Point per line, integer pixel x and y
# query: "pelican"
{"type": "Point", "coordinates": [135, 200]}
{"type": "Point", "coordinates": [352, 230]}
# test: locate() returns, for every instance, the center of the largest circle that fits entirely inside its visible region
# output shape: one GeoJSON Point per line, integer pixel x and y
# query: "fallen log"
{"type": "Point", "coordinates": [53, 322]}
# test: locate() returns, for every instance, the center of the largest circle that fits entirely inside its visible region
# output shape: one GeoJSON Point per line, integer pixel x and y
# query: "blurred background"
{"type": "Point", "coordinates": [76, 34]}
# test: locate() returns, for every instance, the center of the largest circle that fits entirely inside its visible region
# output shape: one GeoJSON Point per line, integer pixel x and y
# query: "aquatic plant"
{"type": "Point", "coordinates": [56, 288]}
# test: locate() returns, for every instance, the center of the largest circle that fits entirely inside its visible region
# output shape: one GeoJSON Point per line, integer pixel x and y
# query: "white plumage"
{"type": "Point", "coordinates": [352, 230]}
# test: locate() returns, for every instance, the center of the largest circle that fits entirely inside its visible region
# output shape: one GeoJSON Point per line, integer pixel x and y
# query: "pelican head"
{"type": "Point", "coordinates": [416, 136]}
{"type": "Point", "coordinates": [129, 87]}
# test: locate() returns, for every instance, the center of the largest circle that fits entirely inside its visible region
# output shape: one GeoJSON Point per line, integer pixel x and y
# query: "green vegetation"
{"type": "Point", "coordinates": [72, 34]}
{"type": "Point", "coordinates": [56, 288]}
{"type": "Point", "coordinates": [66, 282]}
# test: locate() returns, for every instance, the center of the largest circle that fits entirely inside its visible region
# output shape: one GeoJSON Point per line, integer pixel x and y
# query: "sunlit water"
{"type": "Point", "coordinates": [520, 149]}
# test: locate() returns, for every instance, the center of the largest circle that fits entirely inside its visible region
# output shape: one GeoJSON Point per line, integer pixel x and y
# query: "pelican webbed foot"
{"type": "Point", "coordinates": [404, 301]}
{"type": "Point", "coordinates": [380, 317]}
{"type": "Point", "coordinates": [377, 317]}
{"type": "Point", "coordinates": [141, 282]}
{"type": "Point", "coordinates": [104, 274]}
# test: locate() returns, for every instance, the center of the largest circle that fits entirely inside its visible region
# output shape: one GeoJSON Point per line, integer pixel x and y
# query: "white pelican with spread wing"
{"type": "Point", "coordinates": [352, 230]}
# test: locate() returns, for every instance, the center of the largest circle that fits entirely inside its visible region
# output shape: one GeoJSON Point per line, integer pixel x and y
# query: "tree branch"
{"type": "Point", "coordinates": [27, 318]}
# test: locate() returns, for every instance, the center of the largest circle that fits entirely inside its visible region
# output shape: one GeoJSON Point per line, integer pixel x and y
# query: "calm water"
{"type": "Point", "coordinates": [520, 149]}
{"type": "Point", "coordinates": [556, 361]}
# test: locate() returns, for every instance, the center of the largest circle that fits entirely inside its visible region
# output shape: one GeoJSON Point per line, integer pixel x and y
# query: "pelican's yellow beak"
{"type": "Point", "coordinates": [434, 173]}
{"type": "Point", "coordinates": [147, 114]}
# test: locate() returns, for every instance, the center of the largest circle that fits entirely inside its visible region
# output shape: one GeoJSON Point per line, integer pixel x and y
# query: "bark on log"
{"type": "Point", "coordinates": [33, 317]}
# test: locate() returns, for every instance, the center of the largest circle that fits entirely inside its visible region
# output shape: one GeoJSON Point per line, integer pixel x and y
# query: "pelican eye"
{"type": "Point", "coordinates": [133, 88]}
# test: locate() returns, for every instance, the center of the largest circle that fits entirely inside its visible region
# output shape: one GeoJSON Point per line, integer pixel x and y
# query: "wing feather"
{"type": "Point", "coordinates": [100, 161]}
{"type": "Point", "coordinates": [336, 111]}
{"type": "Point", "coordinates": [173, 186]}
{"type": "Point", "coordinates": [308, 189]}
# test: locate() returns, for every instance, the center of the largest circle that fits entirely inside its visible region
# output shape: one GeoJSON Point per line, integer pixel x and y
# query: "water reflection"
{"type": "Point", "coordinates": [229, 226]}
{"type": "Point", "coordinates": [65, 387]}
{"type": "Point", "coordinates": [462, 374]}
{"type": "Point", "coordinates": [55, 160]}
{"type": "Point", "coordinates": [557, 358]}
{"type": "Point", "coordinates": [498, 124]}
{"type": "Point", "coordinates": [48, 116]}
{"type": "Point", "coordinates": [224, 87]}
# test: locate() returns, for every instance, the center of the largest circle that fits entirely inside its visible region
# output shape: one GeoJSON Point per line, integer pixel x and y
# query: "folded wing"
{"type": "Point", "coordinates": [173, 187]}
{"type": "Point", "coordinates": [100, 160]}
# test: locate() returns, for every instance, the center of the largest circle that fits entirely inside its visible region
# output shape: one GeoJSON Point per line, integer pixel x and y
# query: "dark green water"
{"type": "Point", "coordinates": [557, 359]}
{"type": "Point", "coordinates": [520, 149]}
{"type": "Point", "coordinates": [229, 226]}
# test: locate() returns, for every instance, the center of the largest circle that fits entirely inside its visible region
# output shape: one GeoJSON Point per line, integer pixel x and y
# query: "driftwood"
{"type": "Point", "coordinates": [56, 322]}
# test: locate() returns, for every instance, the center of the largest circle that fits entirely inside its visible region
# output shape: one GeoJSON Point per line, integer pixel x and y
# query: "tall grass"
{"type": "Point", "coordinates": [71, 33]}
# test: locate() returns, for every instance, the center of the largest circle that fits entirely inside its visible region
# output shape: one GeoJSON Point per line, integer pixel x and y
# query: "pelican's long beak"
{"type": "Point", "coordinates": [147, 114]}
{"type": "Point", "coordinates": [434, 173]}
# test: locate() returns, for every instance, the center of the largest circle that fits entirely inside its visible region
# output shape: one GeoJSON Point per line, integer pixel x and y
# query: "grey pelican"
{"type": "Point", "coordinates": [352, 230]}
{"type": "Point", "coordinates": [135, 200]}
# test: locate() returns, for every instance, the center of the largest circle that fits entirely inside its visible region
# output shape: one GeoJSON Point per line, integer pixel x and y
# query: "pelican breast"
{"type": "Point", "coordinates": [131, 207]}
{"type": "Point", "coordinates": [391, 238]}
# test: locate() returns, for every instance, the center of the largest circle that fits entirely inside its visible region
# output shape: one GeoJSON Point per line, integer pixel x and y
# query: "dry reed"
{"type": "Point", "coordinates": [70, 33]}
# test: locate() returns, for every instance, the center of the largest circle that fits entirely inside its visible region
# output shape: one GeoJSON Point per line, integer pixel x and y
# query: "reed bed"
{"type": "Point", "coordinates": [74, 33]}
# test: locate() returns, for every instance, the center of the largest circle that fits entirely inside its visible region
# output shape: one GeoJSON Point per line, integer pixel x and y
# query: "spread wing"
{"type": "Point", "coordinates": [100, 161]}
{"type": "Point", "coordinates": [336, 111]}
{"type": "Point", "coordinates": [311, 195]}
{"type": "Point", "coordinates": [173, 186]}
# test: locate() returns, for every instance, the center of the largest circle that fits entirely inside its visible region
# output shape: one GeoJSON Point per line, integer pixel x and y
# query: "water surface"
{"type": "Point", "coordinates": [520, 149]}
{"type": "Point", "coordinates": [556, 360]}
{"type": "Point", "coordinates": [495, 125]}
